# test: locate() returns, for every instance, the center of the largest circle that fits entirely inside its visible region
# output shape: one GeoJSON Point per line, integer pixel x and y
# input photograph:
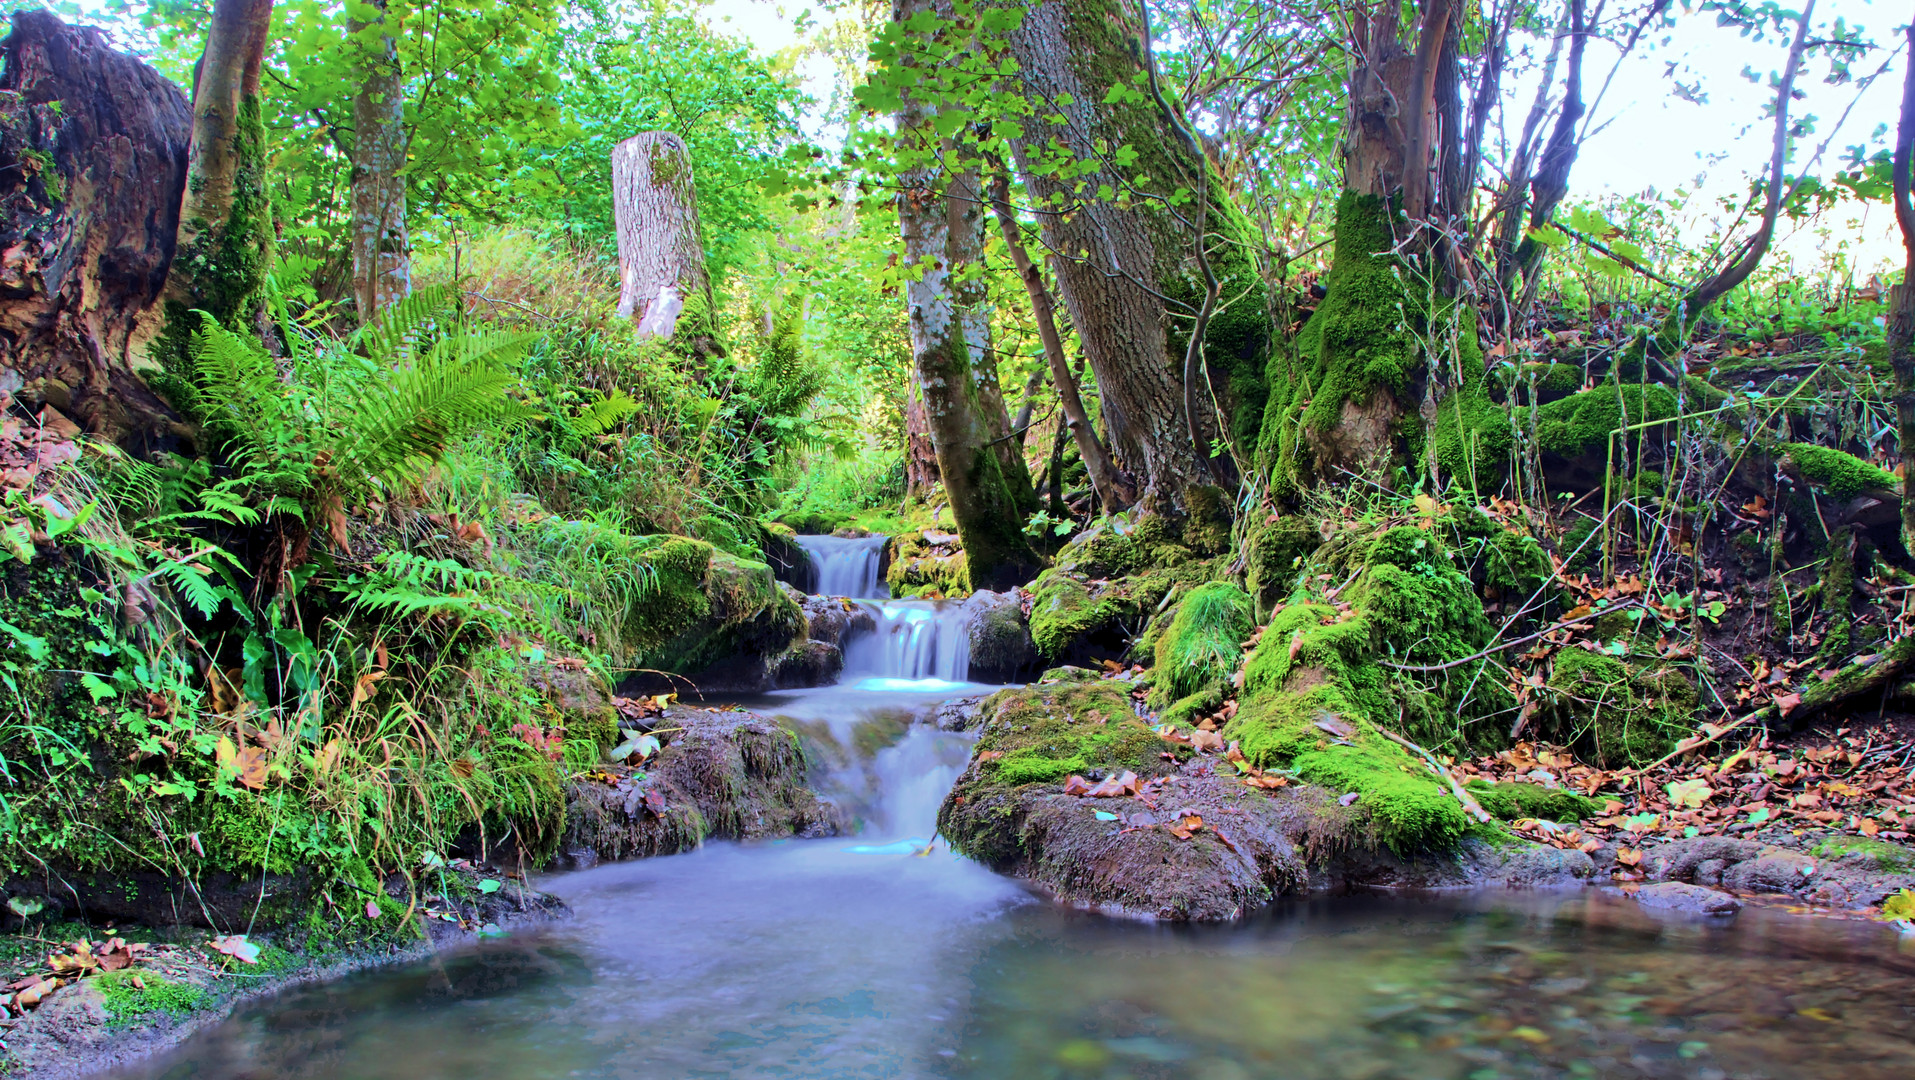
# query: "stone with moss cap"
{"type": "Point", "coordinates": [1612, 712]}
{"type": "Point", "coordinates": [1840, 474]}
{"type": "Point", "coordinates": [1202, 646]}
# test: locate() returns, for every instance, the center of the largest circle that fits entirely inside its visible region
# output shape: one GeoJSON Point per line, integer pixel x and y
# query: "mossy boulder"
{"type": "Point", "coordinates": [1519, 799]}
{"type": "Point", "coordinates": [1274, 554]}
{"type": "Point", "coordinates": [999, 636]}
{"type": "Point", "coordinates": [1614, 713]}
{"type": "Point", "coordinates": [1840, 474]}
{"type": "Point", "coordinates": [927, 564]}
{"type": "Point", "coordinates": [730, 775]}
{"type": "Point", "coordinates": [716, 618]}
{"type": "Point", "coordinates": [1078, 620]}
{"type": "Point", "coordinates": [1203, 644]}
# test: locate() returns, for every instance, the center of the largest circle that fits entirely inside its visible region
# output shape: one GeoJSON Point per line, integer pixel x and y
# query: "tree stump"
{"type": "Point", "coordinates": [661, 260]}
{"type": "Point", "coordinates": [92, 165]}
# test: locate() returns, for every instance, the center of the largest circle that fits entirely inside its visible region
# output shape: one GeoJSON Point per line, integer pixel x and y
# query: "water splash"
{"type": "Point", "coordinates": [846, 566]}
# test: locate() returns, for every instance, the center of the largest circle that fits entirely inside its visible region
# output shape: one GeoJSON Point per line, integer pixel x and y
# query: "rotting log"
{"type": "Point", "coordinates": [92, 164]}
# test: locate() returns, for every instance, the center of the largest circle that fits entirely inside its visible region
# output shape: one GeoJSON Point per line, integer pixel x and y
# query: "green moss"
{"type": "Point", "coordinates": [1581, 423]}
{"type": "Point", "coordinates": [1473, 439]}
{"type": "Point", "coordinates": [127, 1003]}
{"type": "Point", "coordinates": [1274, 556]}
{"type": "Point", "coordinates": [916, 570]}
{"type": "Point", "coordinates": [530, 797]}
{"type": "Point", "coordinates": [1202, 646]}
{"type": "Point", "coordinates": [222, 271]}
{"type": "Point", "coordinates": [1517, 799]}
{"type": "Point", "coordinates": [1617, 715]}
{"type": "Point", "coordinates": [1064, 614]}
{"type": "Point", "coordinates": [1043, 733]}
{"type": "Point", "coordinates": [1840, 474]}
{"type": "Point", "coordinates": [1879, 855]}
{"type": "Point", "coordinates": [1514, 566]}
{"type": "Point", "coordinates": [1352, 347]}
{"type": "Point", "coordinates": [1206, 528]}
{"type": "Point", "coordinates": [1408, 809]}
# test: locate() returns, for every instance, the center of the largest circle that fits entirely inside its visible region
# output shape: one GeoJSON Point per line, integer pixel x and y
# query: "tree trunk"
{"type": "Point", "coordinates": [940, 240]}
{"type": "Point", "coordinates": [1114, 491]}
{"type": "Point", "coordinates": [381, 253]}
{"type": "Point", "coordinates": [92, 163]}
{"type": "Point", "coordinates": [661, 258]}
{"type": "Point", "coordinates": [225, 232]}
{"type": "Point", "coordinates": [1338, 404]}
{"type": "Point", "coordinates": [1901, 327]}
{"type": "Point", "coordinates": [1127, 265]}
{"type": "Point", "coordinates": [970, 218]}
{"type": "Point", "coordinates": [920, 457]}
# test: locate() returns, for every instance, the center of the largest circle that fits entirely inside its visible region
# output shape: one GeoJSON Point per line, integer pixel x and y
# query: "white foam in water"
{"type": "Point", "coordinates": [916, 641]}
{"type": "Point", "coordinates": [846, 566]}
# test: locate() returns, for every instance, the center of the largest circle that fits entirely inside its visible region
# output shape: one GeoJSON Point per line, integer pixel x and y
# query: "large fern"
{"type": "Point", "coordinates": [361, 423]}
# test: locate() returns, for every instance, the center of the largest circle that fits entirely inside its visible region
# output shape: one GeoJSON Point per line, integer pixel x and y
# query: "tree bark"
{"type": "Point", "coordinates": [964, 246]}
{"type": "Point", "coordinates": [1126, 257]}
{"type": "Point", "coordinates": [920, 457]}
{"type": "Point", "coordinates": [92, 164]}
{"type": "Point", "coordinates": [381, 252]}
{"type": "Point", "coordinates": [225, 232]}
{"type": "Point", "coordinates": [1338, 405]}
{"type": "Point", "coordinates": [1901, 327]}
{"type": "Point", "coordinates": [939, 231]}
{"type": "Point", "coordinates": [661, 257]}
{"type": "Point", "coordinates": [1114, 491]}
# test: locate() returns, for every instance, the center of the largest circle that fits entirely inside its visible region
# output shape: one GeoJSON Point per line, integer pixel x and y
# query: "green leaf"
{"type": "Point", "coordinates": [490, 885]}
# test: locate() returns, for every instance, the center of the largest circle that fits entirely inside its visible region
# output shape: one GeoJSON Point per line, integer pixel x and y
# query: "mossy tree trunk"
{"type": "Point", "coordinates": [1347, 400]}
{"type": "Point", "coordinates": [970, 220]}
{"type": "Point", "coordinates": [941, 226]}
{"type": "Point", "coordinates": [1901, 327]}
{"type": "Point", "coordinates": [661, 255]}
{"type": "Point", "coordinates": [1113, 185]}
{"type": "Point", "coordinates": [225, 232]}
{"type": "Point", "coordinates": [381, 251]}
{"type": "Point", "coordinates": [92, 163]}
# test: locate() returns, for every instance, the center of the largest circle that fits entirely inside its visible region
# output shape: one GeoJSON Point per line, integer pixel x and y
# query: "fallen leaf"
{"type": "Point", "coordinates": [1187, 826]}
{"type": "Point", "coordinates": [1629, 856]}
{"type": "Point", "coordinates": [1350, 798]}
{"type": "Point", "coordinates": [1689, 794]}
{"type": "Point", "coordinates": [237, 947]}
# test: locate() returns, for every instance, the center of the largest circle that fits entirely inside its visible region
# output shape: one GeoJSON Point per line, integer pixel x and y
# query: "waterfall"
{"type": "Point", "coordinates": [914, 640]}
{"type": "Point", "coordinates": [846, 566]}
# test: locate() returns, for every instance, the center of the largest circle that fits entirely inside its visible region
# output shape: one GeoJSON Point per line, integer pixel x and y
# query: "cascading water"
{"type": "Point", "coordinates": [846, 565]}
{"type": "Point", "coordinates": [917, 644]}
{"type": "Point", "coordinates": [914, 645]}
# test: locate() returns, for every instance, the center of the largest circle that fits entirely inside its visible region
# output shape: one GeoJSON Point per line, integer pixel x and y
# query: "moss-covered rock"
{"type": "Point", "coordinates": [725, 775]}
{"type": "Point", "coordinates": [1840, 474]}
{"type": "Point", "coordinates": [711, 614]}
{"type": "Point", "coordinates": [1274, 554]}
{"type": "Point", "coordinates": [1518, 799]}
{"type": "Point", "coordinates": [921, 569]}
{"type": "Point", "coordinates": [1202, 647]}
{"type": "Point", "coordinates": [1615, 714]}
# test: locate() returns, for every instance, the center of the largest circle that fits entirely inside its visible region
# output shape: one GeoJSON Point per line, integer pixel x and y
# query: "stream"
{"type": "Point", "coordinates": [864, 956]}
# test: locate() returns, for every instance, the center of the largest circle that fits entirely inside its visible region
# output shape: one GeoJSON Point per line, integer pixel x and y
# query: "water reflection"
{"type": "Point", "coordinates": [814, 959]}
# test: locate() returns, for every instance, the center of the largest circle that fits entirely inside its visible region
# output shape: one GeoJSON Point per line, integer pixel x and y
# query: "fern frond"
{"type": "Point", "coordinates": [407, 419]}
{"type": "Point", "coordinates": [238, 391]}
{"type": "Point", "coordinates": [392, 336]}
{"type": "Point", "coordinates": [605, 414]}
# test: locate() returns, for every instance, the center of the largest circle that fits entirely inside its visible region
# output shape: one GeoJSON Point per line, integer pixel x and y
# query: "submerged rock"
{"type": "Point", "coordinates": [1692, 899]}
{"type": "Point", "coordinates": [729, 775]}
